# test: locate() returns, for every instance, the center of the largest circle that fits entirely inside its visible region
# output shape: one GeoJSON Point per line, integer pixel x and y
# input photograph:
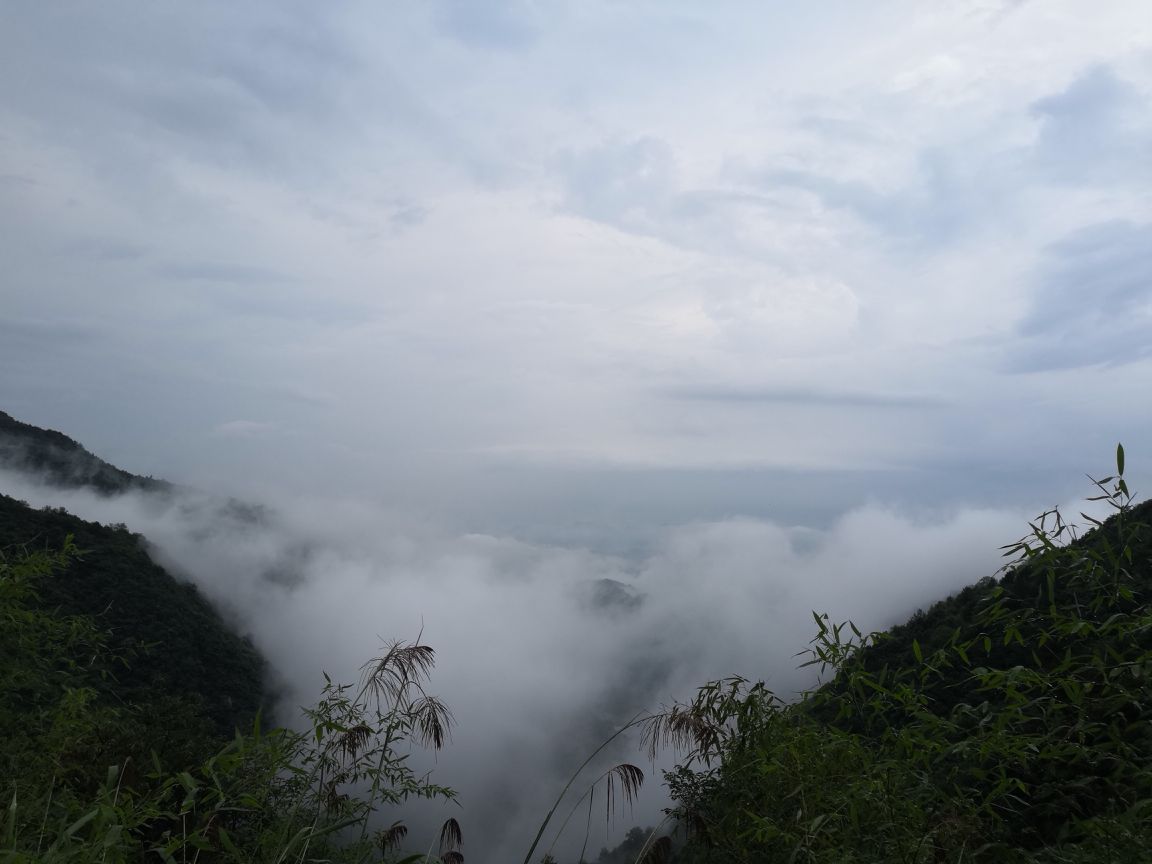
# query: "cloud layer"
{"type": "Point", "coordinates": [543, 650]}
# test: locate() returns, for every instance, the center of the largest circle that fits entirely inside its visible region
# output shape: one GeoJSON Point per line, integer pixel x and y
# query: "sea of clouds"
{"type": "Point", "coordinates": [542, 651]}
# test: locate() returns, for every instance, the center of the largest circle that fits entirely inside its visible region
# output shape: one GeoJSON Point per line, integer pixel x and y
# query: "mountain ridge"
{"type": "Point", "coordinates": [53, 457]}
{"type": "Point", "coordinates": [179, 643]}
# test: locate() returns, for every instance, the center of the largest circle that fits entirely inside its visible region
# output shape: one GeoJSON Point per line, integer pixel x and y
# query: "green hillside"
{"type": "Point", "coordinates": [1009, 723]}
{"type": "Point", "coordinates": [107, 756]}
{"type": "Point", "coordinates": [54, 458]}
{"type": "Point", "coordinates": [152, 667]}
{"type": "Point", "coordinates": [129, 707]}
{"type": "Point", "coordinates": [179, 644]}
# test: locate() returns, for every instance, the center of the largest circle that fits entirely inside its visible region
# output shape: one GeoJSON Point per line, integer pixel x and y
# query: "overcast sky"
{"type": "Point", "coordinates": [752, 308]}
{"type": "Point", "coordinates": [524, 261]}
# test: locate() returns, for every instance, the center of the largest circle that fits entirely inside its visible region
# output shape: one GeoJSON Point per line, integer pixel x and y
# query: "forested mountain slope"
{"type": "Point", "coordinates": [112, 751]}
{"type": "Point", "coordinates": [54, 458]}
{"type": "Point", "coordinates": [128, 704]}
{"type": "Point", "coordinates": [1010, 723]}
{"type": "Point", "coordinates": [1041, 582]}
{"type": "Point", "coordinates": [176, 676]}
{"type": "Point", "coordinates": [178, 643]}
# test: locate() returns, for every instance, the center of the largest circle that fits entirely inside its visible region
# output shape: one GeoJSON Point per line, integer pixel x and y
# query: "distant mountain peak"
{"type": "Point", "coordinates": [51, 457]}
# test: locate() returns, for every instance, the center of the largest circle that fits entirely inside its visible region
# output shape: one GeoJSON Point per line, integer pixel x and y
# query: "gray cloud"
{"type": "Point", "coordinates": [1095, 130]}
{"type": "Point", "coordinates": [54, 334]}
{"type": "Point", "coordinates": [944, 196]}
{"type": "Point", "coordinates": [771, 396]}
{"type": "Point", "coordinates": [211, 271]}
{"type": "Point", "coordinates": [407, 215]}
{"type": "Point", "coordinates": [621, 182]}
{"type": "Point", "coordinates": [1098, 129]}
{"type": "Point", "coordinates": [507, 24]}
{"type": "Point", "coordinates": [135, 91]}
{"type": "Point", "coordinates": [1093, 302]}
{"type": "Point", "coordinates": [16, 180]}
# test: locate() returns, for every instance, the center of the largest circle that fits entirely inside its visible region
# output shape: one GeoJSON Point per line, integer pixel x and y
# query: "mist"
{"type": "Point", "coordinates": [542, 650]}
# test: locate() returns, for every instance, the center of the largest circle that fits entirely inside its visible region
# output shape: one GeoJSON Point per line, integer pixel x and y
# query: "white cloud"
{"type": "Point", "coordinates": [538, 657]}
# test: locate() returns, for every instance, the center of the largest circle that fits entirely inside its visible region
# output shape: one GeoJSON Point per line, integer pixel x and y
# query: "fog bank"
{"type": "Point", "coordinates": [542, 650]}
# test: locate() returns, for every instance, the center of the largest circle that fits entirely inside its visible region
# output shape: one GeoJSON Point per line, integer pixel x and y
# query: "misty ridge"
{"type": "Point", "coordinates": [542, 653]}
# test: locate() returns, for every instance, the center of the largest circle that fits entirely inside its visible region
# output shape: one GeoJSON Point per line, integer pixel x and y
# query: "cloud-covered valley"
{"type": "Point", "coordinates": [542, 650]}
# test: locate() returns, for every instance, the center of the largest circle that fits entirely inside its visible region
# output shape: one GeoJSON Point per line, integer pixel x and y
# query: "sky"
{"type": "Point", "coordinates": [638, 289]}
{"type": "Point", "coordinates": [405, 246]}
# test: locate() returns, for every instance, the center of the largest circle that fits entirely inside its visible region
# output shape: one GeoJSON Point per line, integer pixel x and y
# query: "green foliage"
{"type": "Point", "coordinates": [1022, 733]}
{"type": "Point", "coordinates": [50, 664]}
{"type": "Point", "coordinates": [184, 659]}
{"type": "Point", "coordinates": [264, 797]}
{"type": "Point", "coordinates": [55, 458]}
